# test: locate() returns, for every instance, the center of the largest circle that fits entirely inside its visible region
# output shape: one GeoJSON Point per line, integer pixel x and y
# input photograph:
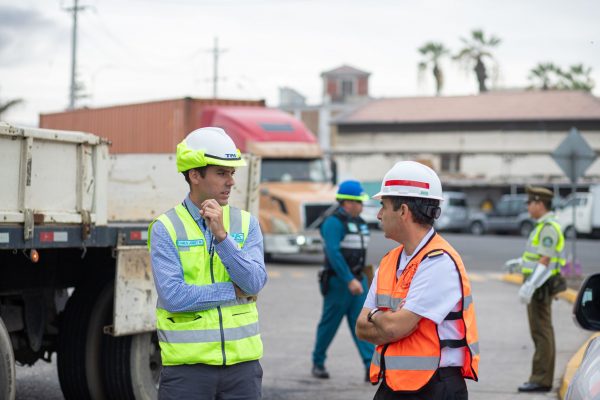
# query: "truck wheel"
{"type": "Point", "coordinates": [7, 365]}
{"type": "Point", "coordinates": [131, 367]}
{"type": "Point", "coordinates": [525, 228]}
{"type": "Point", "coordinates": [79, 345]}
{"type": "Point", "coordinates": [145, 365]}
{"type": "Point", "coordinates": [131, 364]}
{"type": "Point", "coordinates": [569, 232]}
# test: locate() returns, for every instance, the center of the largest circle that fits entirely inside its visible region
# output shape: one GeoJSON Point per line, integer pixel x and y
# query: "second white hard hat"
{"type": "Point", "coordinates": [411, 179]}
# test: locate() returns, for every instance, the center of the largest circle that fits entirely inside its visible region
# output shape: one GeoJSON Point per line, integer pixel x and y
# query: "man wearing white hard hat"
{"type": "Point", "coordinates": [419, 311]}
{"type": "Point", "coordinates": [208, 266]}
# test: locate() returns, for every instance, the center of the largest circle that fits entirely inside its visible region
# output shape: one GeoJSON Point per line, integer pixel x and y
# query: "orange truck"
{"type": "Point", "coordinates": [296, 185]}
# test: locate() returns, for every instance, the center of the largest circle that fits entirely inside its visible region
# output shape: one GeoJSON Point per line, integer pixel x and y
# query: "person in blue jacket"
{"type": "Point", "coordinates": [343, 282]}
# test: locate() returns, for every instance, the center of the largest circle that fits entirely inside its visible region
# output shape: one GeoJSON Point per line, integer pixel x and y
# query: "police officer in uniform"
{"type": "Point", "coordinates": [208, 265]}
{"type": "Point", "coordinates": [541, 265]}
{"type": "Point", "coordinates": [346, 238]}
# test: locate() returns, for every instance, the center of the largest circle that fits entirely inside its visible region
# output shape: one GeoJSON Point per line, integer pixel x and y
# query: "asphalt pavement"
{"type": "Point", "coordinates": [290, 307]}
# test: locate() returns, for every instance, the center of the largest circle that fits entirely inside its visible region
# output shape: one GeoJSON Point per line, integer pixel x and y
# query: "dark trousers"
{"type": "Point", "coordinates": [207, 382]}
{"type": "Point", "coordinates": [539, 312]}
{"type": "Point", "coordinates": [446, 384]}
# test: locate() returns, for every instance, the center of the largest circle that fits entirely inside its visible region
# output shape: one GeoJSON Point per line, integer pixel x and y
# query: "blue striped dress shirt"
{"type": "Point", "coordinates": [245, 266]}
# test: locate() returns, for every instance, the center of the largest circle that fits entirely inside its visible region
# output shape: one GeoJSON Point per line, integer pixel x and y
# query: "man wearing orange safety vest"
{"type": "Point", "coordinates": [419, 310]}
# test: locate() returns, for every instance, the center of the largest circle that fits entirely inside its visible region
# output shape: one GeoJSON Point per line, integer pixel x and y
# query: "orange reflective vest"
{"type": "Point", "coordinates": [409, 363]}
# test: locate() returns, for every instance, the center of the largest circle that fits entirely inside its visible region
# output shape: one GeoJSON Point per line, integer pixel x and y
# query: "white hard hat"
{"type": "Point", "coordinates": [411, 179]}
{"type": "Point", "coordinates": [207, 146]}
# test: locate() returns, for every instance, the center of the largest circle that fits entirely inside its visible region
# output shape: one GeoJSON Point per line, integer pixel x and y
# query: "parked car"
{"type": "Point", "coordinates": [369, 213]}
{"type": "Point", "coordinates": [508, 216]}
{"type": "Point", "coordinates": [455, 213]}
{"type": "Point", "coordinates": [586, 381]}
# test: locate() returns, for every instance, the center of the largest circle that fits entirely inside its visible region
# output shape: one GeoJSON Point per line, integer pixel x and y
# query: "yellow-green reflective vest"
{"type": "Point", "coordinates": [225, 335]}
{"type": "Point", "coordinates": [531, 256]}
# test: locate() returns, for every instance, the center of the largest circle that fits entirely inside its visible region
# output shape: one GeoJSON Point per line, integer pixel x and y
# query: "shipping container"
{"type": "Point", "coordinates": [152, 127]}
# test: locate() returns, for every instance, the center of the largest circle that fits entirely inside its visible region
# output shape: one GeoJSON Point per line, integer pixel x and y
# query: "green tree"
{"type": "Point", "coordinates": [5, 106]}
{"type": "Point", "coordinates": [548, 76]}
{"type": "Point", "coordinates": [545, 76]}
{"type": "Point", "coordinates": [577, 77]}
{"type": "Point", "coordinates": [432, 52]}
{"type": "Point", "coordinates": [475, 50]}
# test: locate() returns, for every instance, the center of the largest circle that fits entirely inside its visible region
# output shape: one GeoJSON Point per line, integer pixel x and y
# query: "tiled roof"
{"type": "Point", "coordinates": [492, 106]}
{"type": "Point", "coordinates": [345, 70]}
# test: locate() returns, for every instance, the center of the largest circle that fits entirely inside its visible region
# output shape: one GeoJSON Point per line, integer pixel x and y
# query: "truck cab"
{"type": "Point", "coordinates": [586, 207]}
{"type": "Point", "coordinates": [295, 185]}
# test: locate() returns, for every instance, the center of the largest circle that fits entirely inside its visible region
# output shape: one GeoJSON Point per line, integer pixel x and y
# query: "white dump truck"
{"type": "Point", "coordinates": [75, 276]}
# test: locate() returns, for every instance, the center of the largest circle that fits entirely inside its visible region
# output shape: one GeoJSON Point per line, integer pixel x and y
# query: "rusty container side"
{"type": "Point", "coordinates": [154, 127]}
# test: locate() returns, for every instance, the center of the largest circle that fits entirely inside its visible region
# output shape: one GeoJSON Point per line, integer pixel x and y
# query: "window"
{"type": "Point", "coordinates": [450, 163]}
{"type": "Point", "coordinates": [271, 127]}
{"type": "Point", "coordinates": [293, 170]}
{"type": "Point", "coordinates": [347, 88]}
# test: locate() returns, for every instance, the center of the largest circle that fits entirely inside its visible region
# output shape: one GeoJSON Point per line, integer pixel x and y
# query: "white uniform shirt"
{"type": "Point", "coordinates": [434, 291]}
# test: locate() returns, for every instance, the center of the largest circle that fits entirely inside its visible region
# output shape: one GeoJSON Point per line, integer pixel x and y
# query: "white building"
{"type": "Point", "coordinates": [499, 140]}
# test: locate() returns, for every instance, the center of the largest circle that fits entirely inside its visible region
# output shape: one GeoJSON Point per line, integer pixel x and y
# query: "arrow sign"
{"type": "Point", "coordinates": [574, 155]}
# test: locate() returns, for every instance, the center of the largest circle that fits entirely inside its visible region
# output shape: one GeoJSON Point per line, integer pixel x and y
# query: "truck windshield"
{"type": "Point", "coordinates": [293, 170]}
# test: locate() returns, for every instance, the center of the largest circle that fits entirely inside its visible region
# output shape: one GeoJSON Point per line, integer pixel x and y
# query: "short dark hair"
{"type": "Point", "coordinates": [201, 171]}
{"type": "Point", "coordinates": [547, 203]}
{"type": "Point", "coordinates": [418, 207]}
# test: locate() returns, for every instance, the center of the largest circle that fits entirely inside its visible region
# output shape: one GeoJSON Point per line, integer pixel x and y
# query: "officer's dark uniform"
{"type": "Point", "coordinates": [546, 240]}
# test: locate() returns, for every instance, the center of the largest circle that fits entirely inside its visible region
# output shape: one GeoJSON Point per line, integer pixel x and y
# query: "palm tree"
{"type": "Point", "coordinates": [545, 76]}
{"type": "Point", "coordinates": [5, 106]}
{"type": "Point", "coordinates": [578, 78]}
{"type": "Point", "coordinates": [432, 52]}
{"type": "Point", "coordinates": [476, 48]}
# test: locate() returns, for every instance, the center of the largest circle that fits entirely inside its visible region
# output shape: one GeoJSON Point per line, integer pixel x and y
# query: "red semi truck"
{"type": "Point", "coordinates": [296, 184]}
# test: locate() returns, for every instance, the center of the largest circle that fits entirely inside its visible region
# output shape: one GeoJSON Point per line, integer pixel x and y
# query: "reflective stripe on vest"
{"type": "Point", "coordinates": [531, 256]}
{"type": "Point", "coordinates": [409, 363]}
{"type": "Point", "coordinates": [225, 335]}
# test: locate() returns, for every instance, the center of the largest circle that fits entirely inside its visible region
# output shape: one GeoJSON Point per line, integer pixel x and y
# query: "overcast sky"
{"type": "Point", "coordinates": [144, 50]}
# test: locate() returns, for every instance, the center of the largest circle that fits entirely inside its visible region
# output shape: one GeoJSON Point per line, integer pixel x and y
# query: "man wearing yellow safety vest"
{"type": "Point", "coordinates": [208, 266]}
{"type": "Point", "coordinates": [541, 265]}
{"type": "Point", "coordinates": [419, 310]}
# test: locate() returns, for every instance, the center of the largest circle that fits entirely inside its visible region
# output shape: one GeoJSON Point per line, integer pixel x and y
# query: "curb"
{"type": "Point", "coordinates": [570, 296]}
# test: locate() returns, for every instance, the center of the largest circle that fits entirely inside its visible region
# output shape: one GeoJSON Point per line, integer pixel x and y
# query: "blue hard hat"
{"type": "Point", "coordinates": [351, 190]}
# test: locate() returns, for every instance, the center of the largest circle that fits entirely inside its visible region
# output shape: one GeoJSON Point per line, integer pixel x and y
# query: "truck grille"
{"type": "Point", "coordinates": [313, 211]}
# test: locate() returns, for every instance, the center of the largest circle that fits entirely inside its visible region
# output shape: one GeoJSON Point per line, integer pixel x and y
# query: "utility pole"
{"type": "Point", "coordinates": [73, 89]}
{"type": "Point", "coordinates": [216, 52]}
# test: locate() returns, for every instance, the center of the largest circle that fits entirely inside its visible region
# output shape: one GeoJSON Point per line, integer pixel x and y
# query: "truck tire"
{"type": "Point", "coordinates": [145, 366]}
{"type": "Point", "coordinates": [7, 365]}
{"type": "Point", "coordinates": [131, 364]}
{"type": "Point", "coordinates": [570, 232]}
{"type": "Point", "coordinates": [131, 370]}
{"type": "Point", "coordinates": [79, 345]}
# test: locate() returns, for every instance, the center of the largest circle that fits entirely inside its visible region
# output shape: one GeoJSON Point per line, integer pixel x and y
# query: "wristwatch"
{"type": "Point", "coordinates": [371, 313]}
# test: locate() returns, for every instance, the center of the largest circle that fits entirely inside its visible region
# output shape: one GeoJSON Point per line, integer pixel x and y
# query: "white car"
{"type": "Point", "coordinates": [586, 381]}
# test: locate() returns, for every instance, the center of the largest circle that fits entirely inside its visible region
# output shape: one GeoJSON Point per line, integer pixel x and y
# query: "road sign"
{"type": "Point", "coordinates": [574, 155]}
